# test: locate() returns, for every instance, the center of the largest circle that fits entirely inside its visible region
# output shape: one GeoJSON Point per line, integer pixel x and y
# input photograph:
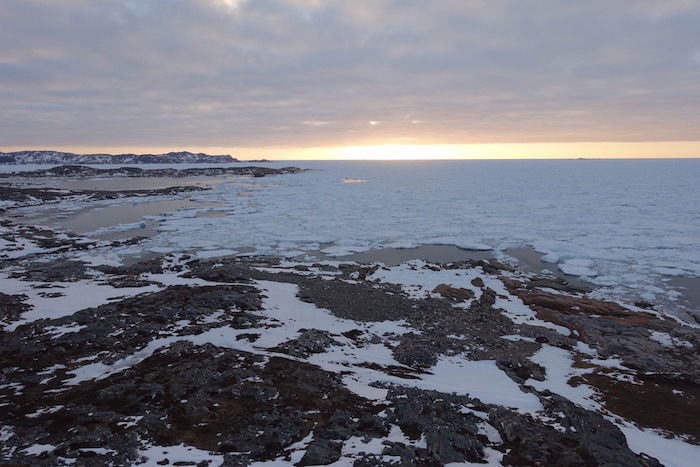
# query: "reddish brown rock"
{"type": "Point", "coordinates": [454, 294]}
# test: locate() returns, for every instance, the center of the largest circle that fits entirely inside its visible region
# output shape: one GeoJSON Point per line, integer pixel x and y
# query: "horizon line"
{"type": "Point", "coordinates": [446, 151]}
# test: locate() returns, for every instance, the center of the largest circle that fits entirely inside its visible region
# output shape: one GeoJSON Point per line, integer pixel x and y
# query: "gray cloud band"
{"type": "Point", "coordinates": [304, 72]}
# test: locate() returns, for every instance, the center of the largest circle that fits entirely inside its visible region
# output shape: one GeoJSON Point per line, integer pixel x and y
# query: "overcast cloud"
{"type": "Point", "coordinates": [312, 72]}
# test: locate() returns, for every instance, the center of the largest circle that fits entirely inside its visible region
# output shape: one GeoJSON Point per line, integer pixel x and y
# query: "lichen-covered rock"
{"type": "Point", "coordinates": [309, 342]}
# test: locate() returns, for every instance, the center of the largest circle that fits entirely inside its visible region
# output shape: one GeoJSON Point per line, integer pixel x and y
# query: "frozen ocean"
{"type": "Point", "coordinates": [629, 226]}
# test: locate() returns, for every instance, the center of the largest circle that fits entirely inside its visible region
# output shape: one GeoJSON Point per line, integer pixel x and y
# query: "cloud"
{"type": "Point", "coordinates": [250, 73]}
{"type": "Point", "coordinates": [229, 4]}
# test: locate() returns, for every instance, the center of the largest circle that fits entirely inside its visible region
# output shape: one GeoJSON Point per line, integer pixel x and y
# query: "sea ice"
{"type": "Point", "coordinates": [624, 232]}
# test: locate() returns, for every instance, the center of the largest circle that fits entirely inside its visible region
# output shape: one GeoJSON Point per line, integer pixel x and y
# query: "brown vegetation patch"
{"type": "Point", "coordinates": [653, 404]}
{"type": "Point", "coordinates": [547, 305]}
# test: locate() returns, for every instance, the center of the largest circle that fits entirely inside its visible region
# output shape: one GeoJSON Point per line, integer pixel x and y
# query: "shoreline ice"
{"type": "Point", "coordinates": [618, 224]}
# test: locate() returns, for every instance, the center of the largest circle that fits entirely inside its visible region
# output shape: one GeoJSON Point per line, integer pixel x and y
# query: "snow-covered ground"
{"type": "Point", "coordinates": [455, 374]}
{"type": "Point", "coordinates": [626, 225]}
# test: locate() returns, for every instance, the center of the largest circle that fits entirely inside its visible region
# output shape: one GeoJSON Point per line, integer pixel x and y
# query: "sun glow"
{"type": "Point", "coordinates": [397, 152]}
{"type": "Point", "coordinates": [563, 150]}
{"type": "Point", "coordinates": [514, 151]}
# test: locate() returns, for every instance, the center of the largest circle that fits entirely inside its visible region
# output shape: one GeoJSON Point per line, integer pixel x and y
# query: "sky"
{"type": "Point", "coordinates": [352, 79]}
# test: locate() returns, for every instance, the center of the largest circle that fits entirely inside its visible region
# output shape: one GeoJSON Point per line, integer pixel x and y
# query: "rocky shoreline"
{"type": "Point", "coordinates": [57, 157]}
{"type": "Point", "coordinates": [14, 195]}
{"type": "Point", "coordinates": [177, 360]}
{"type": "Point", "coordinates": [86, 171]}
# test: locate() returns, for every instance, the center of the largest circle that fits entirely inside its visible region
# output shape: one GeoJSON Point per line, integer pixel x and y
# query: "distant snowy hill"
{"type": "Point", "coordinates": [55, 157]}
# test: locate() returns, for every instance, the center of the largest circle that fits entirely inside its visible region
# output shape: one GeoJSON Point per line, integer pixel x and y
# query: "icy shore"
{"type": "Point", "coordinates": [630, 227]}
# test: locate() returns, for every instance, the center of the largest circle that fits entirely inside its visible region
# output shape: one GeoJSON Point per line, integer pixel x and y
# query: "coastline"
{"type": "Point", "coordinates": [135, 202]}
{"type": "Point", "coordinates": [337, 359]}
